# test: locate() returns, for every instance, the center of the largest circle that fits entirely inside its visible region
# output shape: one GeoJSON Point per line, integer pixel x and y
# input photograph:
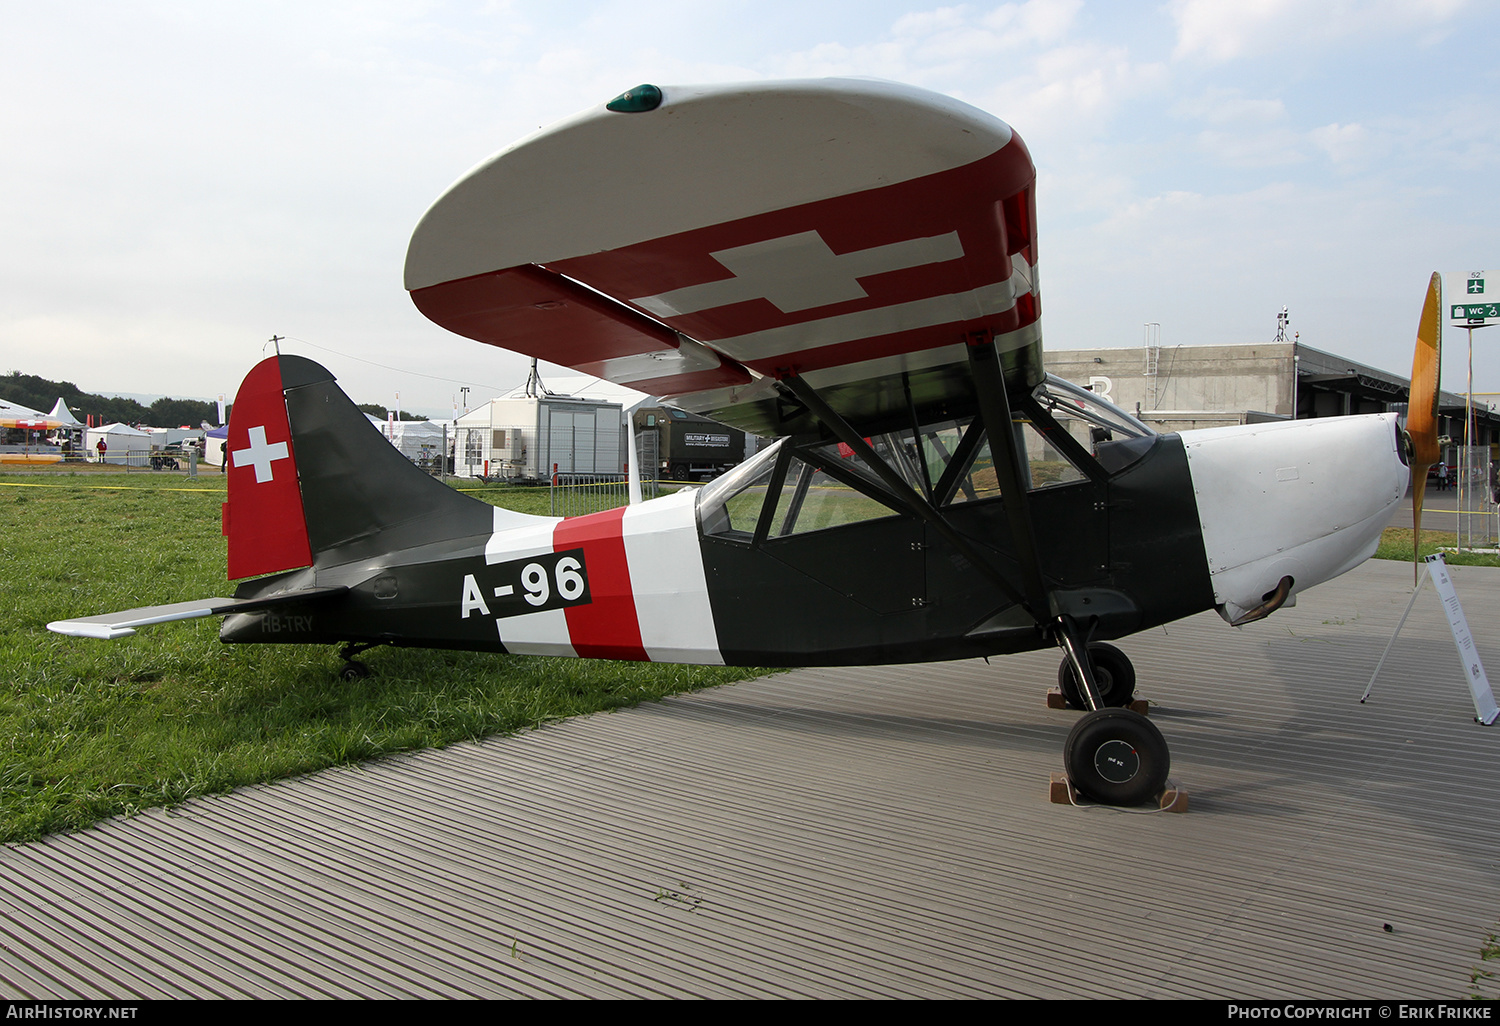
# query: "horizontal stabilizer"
{"type": "Point", "coordinates": [124, 623]}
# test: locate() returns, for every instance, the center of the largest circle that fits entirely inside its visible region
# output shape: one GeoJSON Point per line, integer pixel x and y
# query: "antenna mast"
{"type": "Point", "coordinates": [534, 387]}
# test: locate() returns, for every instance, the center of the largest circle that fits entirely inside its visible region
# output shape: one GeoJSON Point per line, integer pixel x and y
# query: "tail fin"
{"type": "Point", "coordinates": [312, 482]}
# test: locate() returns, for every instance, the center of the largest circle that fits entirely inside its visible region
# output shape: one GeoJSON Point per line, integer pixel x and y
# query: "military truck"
{"type": "Point", "coordinates": [687, 447]}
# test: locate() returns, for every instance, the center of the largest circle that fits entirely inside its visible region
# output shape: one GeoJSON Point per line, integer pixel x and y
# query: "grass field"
{"type": "Point", "coordinates": [1395, 543]}
{"type": "Point", "coordinates": [92, 729]}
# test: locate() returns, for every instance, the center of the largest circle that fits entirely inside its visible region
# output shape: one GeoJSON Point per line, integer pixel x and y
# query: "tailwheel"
{"type": "Point", "coordinates": [1114, 675]}
{"type": "Point", "coordinates": [1116, 757]}
{"type": "Point", "coordinates": [353, 669]}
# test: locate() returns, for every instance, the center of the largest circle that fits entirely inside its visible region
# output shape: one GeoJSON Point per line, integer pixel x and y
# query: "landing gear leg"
{"type": "Point", "coordinates": [1112, 755]}
{"type": "Point", "coordinates": [1073, 638]}
{"type": "Point", "coordinates": [353, 669]}
{"type": "Point", "coordinates": [1114, 676]}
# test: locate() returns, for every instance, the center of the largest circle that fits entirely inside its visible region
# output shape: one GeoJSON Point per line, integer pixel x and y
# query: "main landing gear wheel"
{"type": "Point", "coordinates": [1113, 675]}
{"type": "Point", "coordinates": [1117, 757]}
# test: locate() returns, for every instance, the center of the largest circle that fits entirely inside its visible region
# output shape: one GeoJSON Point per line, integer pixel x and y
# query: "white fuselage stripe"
{"type": "Point", "coordinates": [667, 578]}
{"type": "Point", "coordinates": [544, 633]}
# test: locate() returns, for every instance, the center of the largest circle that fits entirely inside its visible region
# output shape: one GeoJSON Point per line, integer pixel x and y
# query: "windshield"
{"type": "Point", "coordinates": [1112, 436]}
{"type": "Point", "coordinates": [1069, 402]}
{"type": "Point", "coordinates": [729, 505]}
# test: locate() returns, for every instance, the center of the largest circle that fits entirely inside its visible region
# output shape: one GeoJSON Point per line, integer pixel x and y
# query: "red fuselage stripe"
{"type": "Point", "coordinates": [607, 627]}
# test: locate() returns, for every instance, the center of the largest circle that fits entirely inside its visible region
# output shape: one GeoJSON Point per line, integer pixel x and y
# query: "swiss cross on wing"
{"type": "Point", "coordinates": [886, 271]}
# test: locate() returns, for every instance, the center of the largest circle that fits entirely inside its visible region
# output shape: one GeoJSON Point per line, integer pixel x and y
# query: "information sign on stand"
{"type": "Point", "coordinates": [1476, 302]}
{"type": "Point", "coordinates": [1485, 709]}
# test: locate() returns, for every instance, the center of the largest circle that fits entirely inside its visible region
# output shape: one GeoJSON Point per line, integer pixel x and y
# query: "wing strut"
{"type": "Point", "coordinates": [994, 410]}
{"type": "Point", "coordinates": [908, 496]}
{"type": "Point", "coordinates": [1071, 635]}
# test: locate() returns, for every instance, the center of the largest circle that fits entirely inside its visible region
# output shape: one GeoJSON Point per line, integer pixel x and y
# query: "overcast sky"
{"type": "Point", "coordinates": [181, 180]}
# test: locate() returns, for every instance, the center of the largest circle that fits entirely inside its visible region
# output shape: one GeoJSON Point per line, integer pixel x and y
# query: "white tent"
{"type": "Point", "coordinates": [420, 441]}
{"type": "Point", "coordinates": [123, 444]}
{"type": "Point", "coordinates": [60, 412]}
{"type": "Point", "coordinates": [15, 411]}
{"type": "Point", "coordinates": [215, 445]}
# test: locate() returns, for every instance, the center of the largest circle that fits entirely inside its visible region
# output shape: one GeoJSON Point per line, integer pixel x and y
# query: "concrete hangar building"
{"type": "Point", "coordinates": [1179, 388]}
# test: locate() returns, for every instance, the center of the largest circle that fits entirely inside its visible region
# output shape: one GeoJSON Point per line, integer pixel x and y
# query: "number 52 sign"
{"type": "Point", "coordinates": [1474, 296]}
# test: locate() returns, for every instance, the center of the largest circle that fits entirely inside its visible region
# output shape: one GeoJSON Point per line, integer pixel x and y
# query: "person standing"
{"type": "Point", "coordinates": [103, 447]}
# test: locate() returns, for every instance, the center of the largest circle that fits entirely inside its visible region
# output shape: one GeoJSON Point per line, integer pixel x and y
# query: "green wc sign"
{"type": "Point", "coordinates": [1474, 297]}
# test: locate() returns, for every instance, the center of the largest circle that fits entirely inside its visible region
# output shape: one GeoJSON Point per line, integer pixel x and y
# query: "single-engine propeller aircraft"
{"type": "Point", "coordinates": [850, 266]}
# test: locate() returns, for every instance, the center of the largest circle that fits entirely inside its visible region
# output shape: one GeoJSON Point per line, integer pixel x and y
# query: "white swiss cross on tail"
{"type": "Point", "coordinates": [263, 518]}
{"type": "Point", "coordinates": [260, 455]}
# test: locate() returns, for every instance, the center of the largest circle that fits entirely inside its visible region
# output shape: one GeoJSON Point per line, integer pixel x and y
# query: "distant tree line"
{"type": "Point", "coordinates": [40, 394]}
{"type": "Point", "coordinates": [381, 413]}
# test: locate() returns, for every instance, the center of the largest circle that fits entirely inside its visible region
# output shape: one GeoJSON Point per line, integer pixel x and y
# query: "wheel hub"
{"type": "Point", "coordinates": [1117, 762]}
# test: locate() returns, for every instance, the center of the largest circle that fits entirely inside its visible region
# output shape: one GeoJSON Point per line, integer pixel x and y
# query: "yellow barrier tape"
{"type": "Point", "coordinates": [105, 488]}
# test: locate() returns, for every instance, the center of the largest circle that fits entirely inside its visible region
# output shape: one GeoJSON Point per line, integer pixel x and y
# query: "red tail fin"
{"type": "Point", "coordinates": [263, 519]}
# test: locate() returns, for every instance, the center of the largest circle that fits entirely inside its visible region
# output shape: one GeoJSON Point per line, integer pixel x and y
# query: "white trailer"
{"type": "Point", "coordinates": [530, 438]}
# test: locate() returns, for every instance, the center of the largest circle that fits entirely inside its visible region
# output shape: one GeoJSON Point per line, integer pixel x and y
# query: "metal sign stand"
{"type": "Point", "coordinates": [1485, 709]}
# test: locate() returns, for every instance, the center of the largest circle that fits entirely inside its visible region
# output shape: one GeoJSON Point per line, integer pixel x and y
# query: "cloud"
{"type": "Point", "coordinates": [1220, 31]}
{"type": "Point", "coordinates": [1221, 105]}
{"type": "Point", "coordinates": [956, 42]}
{"type": "Point", "coordinates": [1342, 143]}
{"type": "Point", "coordinates": [960, 32]}
{"type": "Point", "coordinates": [1274, 148]}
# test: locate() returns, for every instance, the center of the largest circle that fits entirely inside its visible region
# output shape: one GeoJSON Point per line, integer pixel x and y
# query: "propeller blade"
{"type": "Point", "coordinates": [1422, 409]}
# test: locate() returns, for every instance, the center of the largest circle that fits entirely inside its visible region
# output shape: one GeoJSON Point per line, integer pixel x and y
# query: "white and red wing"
{"type": "Point", "coordinates": [849, 231]}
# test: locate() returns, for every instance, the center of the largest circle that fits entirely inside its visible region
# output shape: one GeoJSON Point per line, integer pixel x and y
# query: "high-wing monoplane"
{"type": "Point", "coordinates": [851, 267]}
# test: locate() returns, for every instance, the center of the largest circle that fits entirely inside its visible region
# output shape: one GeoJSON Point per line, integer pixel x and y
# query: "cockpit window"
{"type": "Point", "coordinates": [1112, 436]}
{"type": "Point", "coordinates": [730, 505]}
{"type": "Point", "coordinates": [1045, 466]}
{"type": "Point", "coordinates": [829, 484]}
{"type": "Point", "coordinates": [812, 499]}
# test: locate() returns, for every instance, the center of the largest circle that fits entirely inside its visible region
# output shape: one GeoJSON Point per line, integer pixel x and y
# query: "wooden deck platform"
{"type": "Point", "coordinates": [880, 832]}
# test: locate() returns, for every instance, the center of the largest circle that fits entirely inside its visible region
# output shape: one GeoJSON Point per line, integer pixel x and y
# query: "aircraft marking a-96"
{"type": "Point", "coordinates": [851, 267]}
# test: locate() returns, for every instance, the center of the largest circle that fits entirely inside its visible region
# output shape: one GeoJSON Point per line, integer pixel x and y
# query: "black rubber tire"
{"type": "Point", "coordinates": [1113, 673]}
{"type": "Point", "coordinates": [679, 473]}
{"type": "Point", "coordinates": [354, 670]}
{"type": "Point", "coordinates": [1117, 757]}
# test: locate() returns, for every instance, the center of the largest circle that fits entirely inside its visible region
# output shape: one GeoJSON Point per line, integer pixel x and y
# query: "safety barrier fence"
{"type": "Point", "coordinates": [1477, 488]}
{"type": "Point", "coordinates": [574, 495]}
{"type": "Point", "coordinates": [124, 459]}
